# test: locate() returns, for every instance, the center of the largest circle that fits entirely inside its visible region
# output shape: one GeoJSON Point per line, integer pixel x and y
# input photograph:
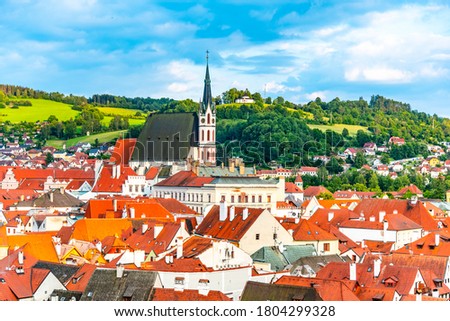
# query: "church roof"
{"type": "Point", "coordinates": [166, 138]}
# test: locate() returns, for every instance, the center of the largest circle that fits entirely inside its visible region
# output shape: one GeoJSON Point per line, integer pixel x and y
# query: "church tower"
{"type": "Point", "coordinates": [207, 124]}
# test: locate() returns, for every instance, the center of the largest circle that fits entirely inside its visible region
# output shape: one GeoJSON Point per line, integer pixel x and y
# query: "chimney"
{"type": "Point", "coordinates": [330, 216]}
{"type": "Point", "coordinates": [20, 257]}
{"type": "Point", "coordinates": [119, 271]}
{"type": "Point", "coordinates": [437, 239]}
{"type": "Point", "coordinates": [179, 247]}
{"type": "Point", "coordinates": [231, 166]}
{"type": "Point", "coordinates": [157, 229]}
{"type": "Point", "coordinates": [118, 171]}
{"type": "Point", "coordinates": [62, 190]}
{"type": "Point", "coordinates": [223, 211]}
{"type": "Point", "coordinates": [241, 169]}
{"type": "Point", "coordinates": [22, 198]}
{"type": "Point", "coordinates": [297, 220]}
{"type": "Point", "coordinates": [114, 170]}
{"type": "Point", "coordinates": [352, 271]}
{"type": "Point", "coordinates": [376, 268]}
{"type": "Point", "coordinates": [182, 227]}
{"type": "Point", "coordinates": [132, 212]}
{"type": "Point", "coordinates": [115, 205]}
{"type": "Point", "coordinates": [51, 197]}
{"type": "Point", "coordinates": [418, 297]}
{"type": "Point", "coordinates": [232, 212]}
{"type": "Point", "coordinates": [244, 214]}
{"type": "Point", "coordinates": [144, 228]}
{"type": "Point", "coordinates": [395, 212]}
{"type": "Point", "coordinates": [382, 215]}
{"type": "Point", "coordinates": [203, 287]}
{"type": "Point", "coordinates": [98, 245]}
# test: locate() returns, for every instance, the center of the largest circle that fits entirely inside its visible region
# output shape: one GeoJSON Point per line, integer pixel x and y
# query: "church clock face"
{"type": "Point", "coordinates": [203, 120]}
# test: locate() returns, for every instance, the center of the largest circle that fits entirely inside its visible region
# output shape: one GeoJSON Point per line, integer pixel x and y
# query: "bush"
{"type": "Point", "coordinates": [78, 108]}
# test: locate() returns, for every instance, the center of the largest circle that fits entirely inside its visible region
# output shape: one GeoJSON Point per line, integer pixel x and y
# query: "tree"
{"type": "Point", "coordinates": [334, 167]}
{"type": "Point", "coordinates": [373, 183]}
{"type": "Point", "coordinates": [360, 160]}
{"type": "Point", "coordinates": [49, 158]}
{"type": "Point", "coordinates": [325, 196]}
{"type": "Point", "coordinates": [345, 133]}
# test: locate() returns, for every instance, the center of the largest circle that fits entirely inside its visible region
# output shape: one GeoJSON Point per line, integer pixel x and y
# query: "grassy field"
{"type": "Point", "coordinates": [102, 138]}
{"type": "Point", "coordinates": [118, 111]}
{"type": "Point", "coordinates": [352, 129]}
{"type": "Point", "coordinates": [41, 110]}
{"type": "Point", "coordinates": [132, 121]}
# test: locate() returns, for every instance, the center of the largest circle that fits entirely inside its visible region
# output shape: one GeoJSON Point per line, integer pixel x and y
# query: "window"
{"type": "Point", "coordinates": [275, 236]}
{"type": "Point", "coordinates": [179, 280]}
{"type": "Point", "coordinates": [326, 247]}
{"type": "Point", "coordinates": [260, 199]}
{"type": "Point", "coordinates": [253, 199]}
{"type": "Point", "coordinates": [269, 198]}
{"type": "Point", "coordinates": [257, 236]}
{"type": "Point", "coordinates": [232, 198]}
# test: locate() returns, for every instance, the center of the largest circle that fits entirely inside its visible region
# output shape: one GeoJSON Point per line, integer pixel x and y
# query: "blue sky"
{"type": "Point", "coordinates": [296, 49]}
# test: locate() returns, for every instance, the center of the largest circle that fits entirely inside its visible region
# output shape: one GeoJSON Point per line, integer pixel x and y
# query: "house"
{"type": "Point", "coordinates": [352, 195]}
{"type": "Point", "coordinates": [350, 152]}
{"type": "Point", "coordinates": [435, 172]}
{"type": "Point", "coordinates": [203, 263]}
{"type": "Point", "coordinates": [412, 209]}
{"type": "Point", "coordinates": [200, 192]}
{"type": "Point", "coordinates": [383, 149]}
{"type": "Point", "coordinates": [382, 170]}
{"type": "Point", "coordinates": [397, 167]}
{"type": "Point", "coordinates": [433, 161]}
{"type": "Point", "coordinates": [294, 191]}
{"type": "Point", "coordinates": [412, 189]}
{"type": "Point", "coordinates": [370, 149]}
{"type": "Point", "coordinates": [396, 141]}
{"type": "Point", "coordinates": [249, 228]}
{"type": "Point", "coordinates": [307, 170]}
{"type": "Point", "coordinates": [244, 100]}
{"type": "Point", "coordinates": [388, 228]}
{"type": "Point", "coordinates": [306, 232]}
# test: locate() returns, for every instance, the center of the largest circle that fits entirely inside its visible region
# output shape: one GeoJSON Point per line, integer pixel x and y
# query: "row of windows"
{"type": "Point", "coordinates": [209, 135]}
{"type": "Point", "coordinates": [187, 197]}
{"type": "Point", "coordinates": [249, 198]}
{"type": "Point", "coordinates": [136, 188]}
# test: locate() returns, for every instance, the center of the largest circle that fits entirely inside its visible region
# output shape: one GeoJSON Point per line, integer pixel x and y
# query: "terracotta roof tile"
{"type": "Point", "coordinates": [292, 188]}
{"type": "Point", "coordinates": [80, 279]}
{"type": "Point", "coordinates": [315, 191]}
{"type": "Point", "coordinates": [234, 230]}
{"type": "Point", "coordinates": [185, 178]}
{"type": "Point", "coordinates": [187, 295]}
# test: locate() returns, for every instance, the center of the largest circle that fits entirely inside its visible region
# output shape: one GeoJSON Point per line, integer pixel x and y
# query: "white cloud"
{"type": "Point", "coordinates": [312, 96]}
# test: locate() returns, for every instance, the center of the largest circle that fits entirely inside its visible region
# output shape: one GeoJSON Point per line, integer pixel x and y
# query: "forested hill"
{"type": "Point", "coordinates": [382, 116]}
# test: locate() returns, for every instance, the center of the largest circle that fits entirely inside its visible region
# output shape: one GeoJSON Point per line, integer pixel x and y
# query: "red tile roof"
{"type": "Point", "coordinates": [417, 213]}
{"type": "Point", "coordinates": [152, 173]}
{"type": "Point", "coordinates": [97, 229]}
{"type": "Point", "coordinates": [187, 295]}
{"type": "Point", "coordinates": [292, 188]}
{"type": "Point", "coordinates": [147, 242]}
{"type": "Point", "coordinates": [396, 222]}
{"type": "Point", "coordinates": [234, 230]}
{"type": "Point", "coordinates": [315, 191]}
{"type": "Point", "coordinates": [427, 245]}
{"type": "Point", "coordinates": [185, 178]}
{"type": "Point", "coordinates": [107, 184]}
{"type": "Point", "coordinates": [306, 230]}
{"type": "Point", "coordinates": [80, 279]}
{"type": "Point", "coordinates": [37, 245]}
{"type": "Point", "coordinates": [412, 188]}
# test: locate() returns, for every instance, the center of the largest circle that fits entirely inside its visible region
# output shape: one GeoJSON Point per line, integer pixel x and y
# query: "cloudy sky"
{"type": "Point", "coordinates": [296, 49]}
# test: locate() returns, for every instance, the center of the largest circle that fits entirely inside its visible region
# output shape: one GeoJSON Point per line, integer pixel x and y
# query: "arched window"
{"type": "Point", "coordinates": [208, 135]}
{"type": "Point", "coordinates": [209, 119]}
{"type": "Point", "coordinates": [203, 134]}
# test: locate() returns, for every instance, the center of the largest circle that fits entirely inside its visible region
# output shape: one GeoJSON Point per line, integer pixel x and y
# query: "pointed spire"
{"type": "Point", "coordinates": [207, 96]}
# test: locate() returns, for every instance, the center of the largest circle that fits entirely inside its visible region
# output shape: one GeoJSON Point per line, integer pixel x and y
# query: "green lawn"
{"type": "Point", "coordinates": [352, 129]}
{"type": "Point", "coordinates": [41, 110]}
{"type": "Point", "coordinates": [102, 138]}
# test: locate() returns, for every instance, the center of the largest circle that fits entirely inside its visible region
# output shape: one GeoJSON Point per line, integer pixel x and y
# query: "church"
{"type": "Point", "coordinates": [179, 140]}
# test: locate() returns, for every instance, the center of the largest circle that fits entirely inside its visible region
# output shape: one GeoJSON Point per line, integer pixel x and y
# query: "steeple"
{"type": "Point", "coordinates": [207, 96]}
